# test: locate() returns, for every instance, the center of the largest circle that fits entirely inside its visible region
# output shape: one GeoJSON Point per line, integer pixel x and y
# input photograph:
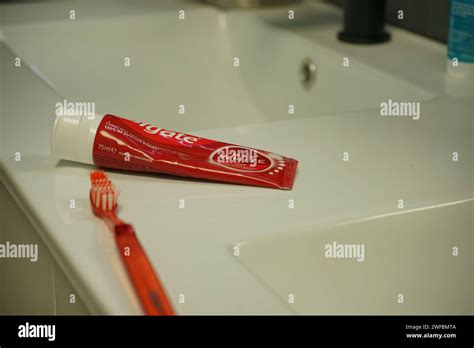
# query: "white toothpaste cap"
{"type": "Point", "coordinates": [73, 137]}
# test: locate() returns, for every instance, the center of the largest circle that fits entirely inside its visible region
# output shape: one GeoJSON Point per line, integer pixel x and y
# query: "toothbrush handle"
{"type": "Point", "coordinates": [147, 285]}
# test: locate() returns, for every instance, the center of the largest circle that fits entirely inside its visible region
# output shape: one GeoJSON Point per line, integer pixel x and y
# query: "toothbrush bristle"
{"type": "Point", "coordinates": [104, 194]}
{"type": "Point", "coordinates": [98, 176]}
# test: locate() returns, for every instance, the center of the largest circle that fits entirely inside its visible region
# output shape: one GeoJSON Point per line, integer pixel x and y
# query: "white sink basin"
{"type": "Point", "coordinates": [191, 63]}
{"type": "Point", "coordinates": [271, 72]}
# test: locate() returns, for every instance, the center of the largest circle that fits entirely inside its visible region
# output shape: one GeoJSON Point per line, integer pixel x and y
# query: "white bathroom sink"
{"type": "Point", "coordinates": [272, 59]}
{"type": "Point", "coordinates": [191, 62]}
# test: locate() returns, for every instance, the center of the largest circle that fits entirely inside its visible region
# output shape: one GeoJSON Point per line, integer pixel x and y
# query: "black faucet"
{"type": "Point", "coordinates": [364, 22]}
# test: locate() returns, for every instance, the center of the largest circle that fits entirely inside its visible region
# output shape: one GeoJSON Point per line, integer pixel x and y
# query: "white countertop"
{"type": "Point", "coordinates": [390, 159]}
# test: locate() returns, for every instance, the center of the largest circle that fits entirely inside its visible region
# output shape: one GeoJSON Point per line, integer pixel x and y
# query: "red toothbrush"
{"type": "Point", "coordinates": [152, 295]}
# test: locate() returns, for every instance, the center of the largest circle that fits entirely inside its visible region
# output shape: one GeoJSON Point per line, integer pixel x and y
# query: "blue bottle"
{"type": "Point", "coordinates": [461, 39]}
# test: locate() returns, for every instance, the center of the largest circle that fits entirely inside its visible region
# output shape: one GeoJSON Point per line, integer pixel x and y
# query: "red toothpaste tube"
{"type": "Point", "coordinates": [113, 142]}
